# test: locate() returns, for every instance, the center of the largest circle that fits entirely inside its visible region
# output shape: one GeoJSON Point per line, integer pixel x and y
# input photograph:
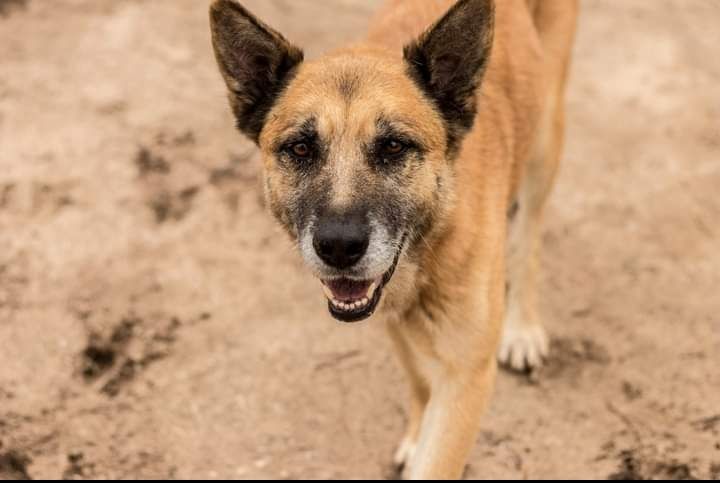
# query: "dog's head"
{"type": "Point", "coordinates": [358, 146]}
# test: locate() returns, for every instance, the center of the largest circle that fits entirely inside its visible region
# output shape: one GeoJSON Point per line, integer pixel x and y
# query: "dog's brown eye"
{"type": "Point", "coordinates": [301, 150]}
{"type": "Point", "coordinates": [393, 147]}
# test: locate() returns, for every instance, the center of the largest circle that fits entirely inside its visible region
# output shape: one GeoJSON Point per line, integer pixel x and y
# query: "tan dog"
{"type": "Point", "coordinates": [412, 170]}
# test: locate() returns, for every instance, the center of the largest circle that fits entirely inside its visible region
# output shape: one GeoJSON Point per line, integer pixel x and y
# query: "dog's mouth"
{"type": "Point", "coordinates": [351, 300]}
{"type": "Point", "coordinates": [355, 300]}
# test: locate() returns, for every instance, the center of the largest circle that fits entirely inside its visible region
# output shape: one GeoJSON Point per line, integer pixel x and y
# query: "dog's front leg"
{"type": "Point", "coordinates": [452, 370]}
{"type": "Point", "coordinates": [452, 421]}
{"type": "Point", "coordinates": [419, 397]}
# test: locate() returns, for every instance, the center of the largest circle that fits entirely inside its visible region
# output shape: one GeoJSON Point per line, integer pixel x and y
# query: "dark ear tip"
{"type": "Point", "coordinates": [223, 4]}
{"type": "Point", "coordinates": [484, 4]}
{"type": "Point", "coordinates": [483, 8]}
{"type": "Point", "coordinates": [218, 9]}
{"type": "Point", "coordinates": [221, 8]}
{"type": "Point", "coordinates": [478, 7]}
{"type": "Point", "coordinates": [217, 6]}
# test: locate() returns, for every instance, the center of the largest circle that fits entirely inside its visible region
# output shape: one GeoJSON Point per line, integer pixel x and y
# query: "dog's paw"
{"type": "Point", "coordinates": [403, 456]}
{"type": "Point", "coordinates": [523, 347]}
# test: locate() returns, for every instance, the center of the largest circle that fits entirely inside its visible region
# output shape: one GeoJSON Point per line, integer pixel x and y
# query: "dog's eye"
{"type": "Point", "coordinates": [301, 150]}
{"type": "Point", "coordinates": [392, 147]}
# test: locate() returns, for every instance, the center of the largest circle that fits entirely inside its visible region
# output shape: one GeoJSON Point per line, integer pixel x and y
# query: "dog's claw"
{"type": "Point", "coordinates": [402, 457]}
{"type": "Point", "coordinates": [523, 347]}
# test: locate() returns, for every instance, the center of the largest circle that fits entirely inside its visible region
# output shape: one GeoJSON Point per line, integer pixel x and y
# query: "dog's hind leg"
{"type": "Point", "coordinates": [524, 343]}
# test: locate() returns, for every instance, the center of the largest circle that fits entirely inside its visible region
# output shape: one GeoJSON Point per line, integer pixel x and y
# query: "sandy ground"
{"type": "Point", "coordinates": [155, 323]}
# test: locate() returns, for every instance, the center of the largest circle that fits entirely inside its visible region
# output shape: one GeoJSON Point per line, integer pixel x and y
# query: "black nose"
{"type": "Point", "coordinates": [341, 240]}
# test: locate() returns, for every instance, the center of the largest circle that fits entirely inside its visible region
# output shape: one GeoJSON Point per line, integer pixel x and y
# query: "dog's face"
{"type": "Point", "coordinates": [358, 146]}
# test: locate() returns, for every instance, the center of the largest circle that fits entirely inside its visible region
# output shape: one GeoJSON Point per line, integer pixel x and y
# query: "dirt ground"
{"type": "Point", "coordinates": [154, 322]}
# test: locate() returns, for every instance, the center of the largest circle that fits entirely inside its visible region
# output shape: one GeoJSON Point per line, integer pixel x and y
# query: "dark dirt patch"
{"type": "Point", "coordinates": [13, 420]}
{"type": "Point", "coordinates": [334, 360]}
{"type": "Point", "coordinates": [123, 376]}
{"type": "Point", "coordinates": [154, 160]}
{"type": "Point", "coordinates": [12, 285]}
{"type": "Point", "coordinates": [631, 391]}
{"type": "Point", "coordinates": [715, 471]}
{"type": "Point", "coordinates": [101, 354]}
{"type": "Point", "coordinates": [172, 172]}
{"type": "Point", "coordinates": [6, 192]}
{"type": "Point", "coordinates": [169, 174]}
{"type": "Point", "coordinates": [14, 466]}
{"type": "Point", "coordinates": [710, 424]}
{"type": "Point", "coordinates": [237, 169]}
{"type": "Point", "coordinates": [231, 179]}
{"type": "Point", "coordinates": [569, 357]}
{"type": "Point", "coordinates": [45, 198]}
{"type": "Point", "coordinates": [115, 360]}
{"type": "Point", "coordinates": [633, 466]}
{"type": "Point", "coordinates": [78, 468]}
{"type": "Point", "coordinates": [493, 440]}
{"type": "Point", "coordinates": [186, 138]}
{"type": "Point", "coordinates": [168, 206]}
{"type": "Point", "coordinates": [148, 162]}
{"type": "Point", "coordinates": [8, 6]}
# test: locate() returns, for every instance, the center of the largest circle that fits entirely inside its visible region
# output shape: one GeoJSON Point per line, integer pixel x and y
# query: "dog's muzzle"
{"type": "Point", "coordinates": [351, 300]}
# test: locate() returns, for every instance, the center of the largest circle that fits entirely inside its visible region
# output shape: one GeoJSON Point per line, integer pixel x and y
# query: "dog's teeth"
{"type": "Point", "coordinates": [371, 290]}
{"type": "Point", "coordinates": [360, 304]}
{"type": "Point", "coordinates": [351, 306]}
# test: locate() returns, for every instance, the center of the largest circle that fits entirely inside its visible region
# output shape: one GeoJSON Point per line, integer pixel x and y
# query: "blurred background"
{"type": "Point", "coordinates": [154, 322]}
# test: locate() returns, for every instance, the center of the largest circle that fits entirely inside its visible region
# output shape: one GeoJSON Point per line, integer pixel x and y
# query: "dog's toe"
{"type": "Point", "coordinates": [403, 455]}
{"type": "Point", "coordinates": [404, 452]}
{"type": "Point", "coordinates": [523, 348]}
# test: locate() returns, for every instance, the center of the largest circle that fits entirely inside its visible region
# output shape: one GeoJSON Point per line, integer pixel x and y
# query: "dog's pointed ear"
{"type": "Point", "coordinates": [448, 62]}
{"type": "Point", "coordinates": [255, 60]}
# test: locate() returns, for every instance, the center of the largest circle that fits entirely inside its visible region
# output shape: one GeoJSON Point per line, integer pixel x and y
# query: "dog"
{"type": "Point", "coordinates": [412, 170]}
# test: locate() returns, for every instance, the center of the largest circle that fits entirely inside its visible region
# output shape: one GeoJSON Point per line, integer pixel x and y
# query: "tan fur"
{"type": "Point", "coordinates": [445, 307]}
{"type": "Point", "coordinates": [316, 92]}
{"type": "Point", "coordinates": [512, 154]}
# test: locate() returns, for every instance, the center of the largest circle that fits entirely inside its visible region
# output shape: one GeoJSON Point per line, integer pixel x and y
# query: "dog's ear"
{"type": "Point", "coordinates": [255, 60]}
{"type": "Point", "coordinates": [448, 62]}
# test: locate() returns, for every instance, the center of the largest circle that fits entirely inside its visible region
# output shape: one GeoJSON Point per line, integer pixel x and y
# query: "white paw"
{"type": "Point", "coordinates": [404, 453]}
{"type": "Point", "coordinates": [523, 347]}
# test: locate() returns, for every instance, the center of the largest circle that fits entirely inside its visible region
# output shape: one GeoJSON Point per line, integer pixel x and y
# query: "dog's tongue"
{"type": "Point", "coordinates": [345, 290]}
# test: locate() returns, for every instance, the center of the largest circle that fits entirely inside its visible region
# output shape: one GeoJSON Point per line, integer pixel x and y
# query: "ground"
{"type": "Point", "coordinates": [154, 321]}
